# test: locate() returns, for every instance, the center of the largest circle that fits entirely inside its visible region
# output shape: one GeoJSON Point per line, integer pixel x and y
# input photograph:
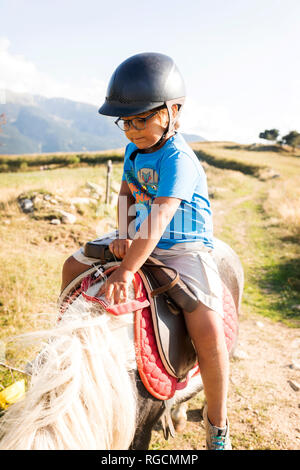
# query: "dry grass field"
{"type": "Point", "coordinates": [255, 194]}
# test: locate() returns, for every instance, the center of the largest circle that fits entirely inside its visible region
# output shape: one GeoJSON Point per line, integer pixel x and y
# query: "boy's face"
{"type": "Point", "coordinates": [153, 131]}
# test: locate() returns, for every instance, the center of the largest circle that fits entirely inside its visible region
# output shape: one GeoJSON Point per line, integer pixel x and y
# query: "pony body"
{"type": "Point", "coordinates": [85, 391]}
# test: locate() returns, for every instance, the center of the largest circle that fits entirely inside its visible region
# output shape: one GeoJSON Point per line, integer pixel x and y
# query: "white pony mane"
{"type": "Point", "coordinates": [81, 395]}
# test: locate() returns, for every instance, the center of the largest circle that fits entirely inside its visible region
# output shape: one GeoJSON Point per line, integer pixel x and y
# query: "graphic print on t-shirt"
{"type": "Point", "coordinates": [142, 192]}
{"type": "Point", "coordinates": [148, 176]}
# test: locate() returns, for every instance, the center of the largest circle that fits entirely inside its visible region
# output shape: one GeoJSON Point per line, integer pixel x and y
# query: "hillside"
{"type": "Point", "coordinates": [255, 195]}
{"type": "Point", "coordinates": [36, 124]}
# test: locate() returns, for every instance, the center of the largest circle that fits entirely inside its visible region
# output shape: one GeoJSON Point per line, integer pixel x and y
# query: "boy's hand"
{"type": "Point", "coordinates": [119, 247]}
{"type": "Point", "coordinates": [115, 288]}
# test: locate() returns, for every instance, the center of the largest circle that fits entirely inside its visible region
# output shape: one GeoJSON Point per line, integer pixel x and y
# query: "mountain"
{"type": "Point", "coordinates": [36, 124]}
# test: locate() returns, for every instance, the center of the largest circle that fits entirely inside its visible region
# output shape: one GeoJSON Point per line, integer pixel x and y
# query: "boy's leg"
{"type": "Point", "coordinates": [205, 327]}
{"type": "Point", "coordinates": [71, 269]}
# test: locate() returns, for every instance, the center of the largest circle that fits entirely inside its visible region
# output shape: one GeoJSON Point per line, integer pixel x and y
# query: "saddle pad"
{"type": "Point", "coordinates": [153, 374]}
{"type": "Point", "coordinates": [151, 369]}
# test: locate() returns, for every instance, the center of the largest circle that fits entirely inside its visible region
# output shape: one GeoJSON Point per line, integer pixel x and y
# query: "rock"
{"type": "Point", "coordinates": [115, 187]}
{"type": "Point", "coordinates": [240, 354]}
{"type": "Point", "coordinates": [26, 205]}
{"type": "Point", "coordinates": [53, 201]}
{"type": "Point", "coordinates": [55, 221]}
{"type": "Point", "coordinates": [38, 199]}
{"type": "Point", "coordinates": [80, 200]}
{"type": "Point", "coordinates": [113, 200]}
{"type": "Point", "coordinates": [248, 407]}
{"type": "Point", "coordinates": [295, 365]}
{"type": "Point", "coordinates": [268, 173]}
{"type": "Point", "coordinates": [67, 218]}
{"type": "Point", "coordinates": [259, 324]}
{"type": "Point", "coordinates": [295, 386]}
{"type": "Point", "coordinates": [296, 307]}
{"type": "Point", "coordinates": [95, 188]}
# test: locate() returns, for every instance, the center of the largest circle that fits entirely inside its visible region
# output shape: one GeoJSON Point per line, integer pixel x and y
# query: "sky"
{"type": "Point", "coordinates": [239, 58]}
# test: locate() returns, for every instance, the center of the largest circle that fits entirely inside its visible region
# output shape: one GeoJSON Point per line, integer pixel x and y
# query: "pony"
{"type": "Point", "coordinates": [85, 392]}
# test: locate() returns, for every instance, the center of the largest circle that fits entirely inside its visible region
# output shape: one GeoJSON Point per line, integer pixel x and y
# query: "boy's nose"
{"type": "Point", "coordinates": [132, 132]}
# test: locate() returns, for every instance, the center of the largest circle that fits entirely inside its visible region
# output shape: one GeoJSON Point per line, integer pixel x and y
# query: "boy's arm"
{"type": "Point", "coordinates": [150, 232]}
{"type": "Point", "coordinates": [144, 242]}
{"type": "Point", "coordinates": [125, 201]}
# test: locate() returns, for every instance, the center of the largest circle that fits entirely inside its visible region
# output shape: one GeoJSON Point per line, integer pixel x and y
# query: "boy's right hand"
{"type": "Point", "coordinates": [119, 247]}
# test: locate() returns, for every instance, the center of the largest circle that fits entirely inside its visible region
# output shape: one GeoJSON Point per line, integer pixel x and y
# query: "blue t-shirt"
{"type": "Point", "coordinates": [172, 171]}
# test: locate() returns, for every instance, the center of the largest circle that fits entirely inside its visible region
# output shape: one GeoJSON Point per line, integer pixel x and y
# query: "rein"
{"type": "Point", "coordinates": [117, 309]}
{"type": "Point", "coordinates": [131, 305]}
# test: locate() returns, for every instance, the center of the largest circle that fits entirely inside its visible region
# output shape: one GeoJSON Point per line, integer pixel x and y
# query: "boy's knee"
{"type": "Point", "coordinates": [69, 264]}
{"type": "Point", "coordinates": [73, 267]}
{"type": "Point", "coordinates": [206, 329]}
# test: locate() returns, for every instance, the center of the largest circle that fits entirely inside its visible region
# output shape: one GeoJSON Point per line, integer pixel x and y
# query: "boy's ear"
{"type": "Point", "coordinates": [175, 110]}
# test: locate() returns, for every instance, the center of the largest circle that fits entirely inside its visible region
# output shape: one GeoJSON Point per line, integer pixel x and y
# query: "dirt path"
{"type": "Point", "coordinates": [264, 389]}
{"type": "Point", "coordinates": [263, 405]}
{"type": "Point", "coordinates": [263, 408]}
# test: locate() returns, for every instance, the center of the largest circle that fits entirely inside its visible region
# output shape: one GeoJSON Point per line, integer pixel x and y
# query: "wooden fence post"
{"type": "Point", "coordinates": [108, 175]}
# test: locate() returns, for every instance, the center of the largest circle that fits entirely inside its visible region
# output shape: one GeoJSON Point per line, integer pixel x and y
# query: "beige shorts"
{"type": "Point", "coordinates": [195, 265]}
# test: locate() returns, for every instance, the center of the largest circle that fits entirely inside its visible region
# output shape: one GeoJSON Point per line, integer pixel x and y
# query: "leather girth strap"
{"type": "Point", "coordinates": [175, 288]}
{"type": "Point", "coordinates": [168, 297]}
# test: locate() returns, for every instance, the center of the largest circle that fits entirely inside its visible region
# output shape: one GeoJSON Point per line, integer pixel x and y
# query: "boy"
{"type": "Point", "coordinates": [165, 182]}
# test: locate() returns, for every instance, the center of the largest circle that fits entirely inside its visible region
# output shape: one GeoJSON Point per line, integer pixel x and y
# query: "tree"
{"type": "Point", "coordinates": [271, 134]}
{"type": "Point", "coordinates": [292, 139]}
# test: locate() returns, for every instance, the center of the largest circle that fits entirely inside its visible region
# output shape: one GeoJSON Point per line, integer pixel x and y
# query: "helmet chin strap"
{"type": "Point", "coordinates": [154, 147]}
{"type": "Point", "coordinates": [158, 144]}
{"type": "Point", "coordinates": [170, 129]}
{"type": "Point", "coordinates": [168, 132]}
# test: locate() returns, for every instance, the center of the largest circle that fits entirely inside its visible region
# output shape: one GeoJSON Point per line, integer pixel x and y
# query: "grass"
{"type": "Point", "coordinates": [247, 215]}
{"type": "Point", "coordinates": [249, 160]}
{"type": "Point", "coordinates": [251, 215]}
{"type": "Point", "coordinates": [21, 163]}
{"type": "Point", "coordinates": [258, 216]}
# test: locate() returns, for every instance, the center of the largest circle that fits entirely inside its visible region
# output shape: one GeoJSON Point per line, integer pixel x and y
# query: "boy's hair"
{"type": "Point", "coordinates": [177, 123]}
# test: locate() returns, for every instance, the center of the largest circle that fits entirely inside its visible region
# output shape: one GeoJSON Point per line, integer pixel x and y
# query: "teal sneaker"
{"type": "Point", "coordinates": [216, 438]}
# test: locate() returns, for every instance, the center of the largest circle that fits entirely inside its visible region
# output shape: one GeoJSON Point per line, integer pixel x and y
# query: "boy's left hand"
{"type": "Point", "coordinates": [116, 287]}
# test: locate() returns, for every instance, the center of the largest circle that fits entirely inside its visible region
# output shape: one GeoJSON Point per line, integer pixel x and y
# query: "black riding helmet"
{"type": "Point", "coordinates": [143, 82]}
